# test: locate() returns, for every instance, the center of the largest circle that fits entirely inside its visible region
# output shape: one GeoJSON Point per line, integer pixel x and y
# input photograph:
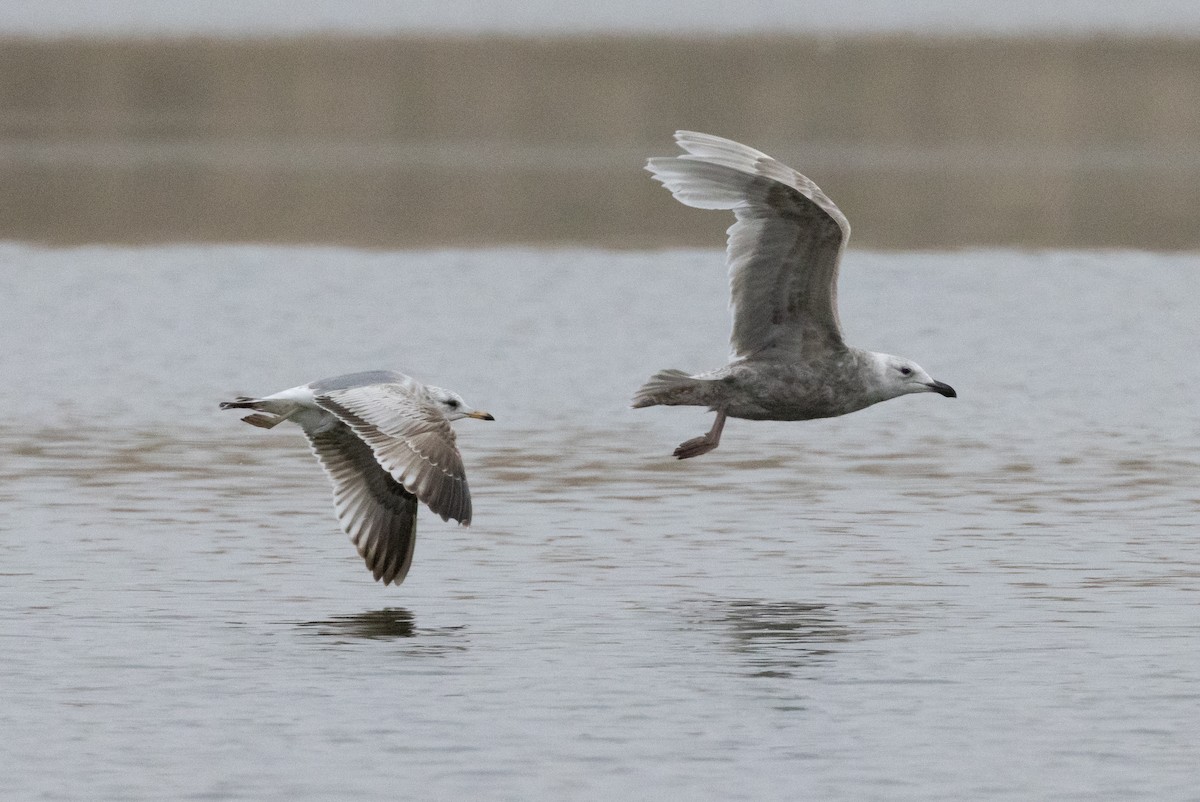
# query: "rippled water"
{"type": "Point", "coordinates": [991, 597]}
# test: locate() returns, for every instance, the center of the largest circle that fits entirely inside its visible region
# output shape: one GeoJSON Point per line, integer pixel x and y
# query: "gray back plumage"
{"type": "Point", "coordinates": [361, 379]}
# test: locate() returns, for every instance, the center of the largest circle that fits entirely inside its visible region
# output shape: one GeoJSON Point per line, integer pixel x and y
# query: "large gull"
{"type": "Point", "coordinates": [385, 441]}
{"type": "Point", "coordinates": [789, 360]}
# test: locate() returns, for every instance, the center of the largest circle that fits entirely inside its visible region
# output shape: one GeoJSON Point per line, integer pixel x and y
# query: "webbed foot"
{"type": "Point", "coordinates": [696, 446]}
{"type": "Point", "coordinates": [704, 443]}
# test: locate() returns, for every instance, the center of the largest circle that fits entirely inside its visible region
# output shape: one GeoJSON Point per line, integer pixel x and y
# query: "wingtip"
{"type": "Point", "coordinates": [449, 516]}
{"type": "Point", "coordinates": [657, 166]}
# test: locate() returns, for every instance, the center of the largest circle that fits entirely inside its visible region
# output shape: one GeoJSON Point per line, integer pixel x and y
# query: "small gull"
{"type": "Point", "coordinates": [789, 361]}
{"type": "Point", "coordinates": [385, 441]}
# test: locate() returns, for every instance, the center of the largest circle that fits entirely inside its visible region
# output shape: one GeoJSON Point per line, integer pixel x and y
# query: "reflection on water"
{"type": "Point", "coordinates": [775, 638]}
{"type": "Point", "coordinates": [386, 624]}
{"type": "Point", "coordinates": [817, 610]}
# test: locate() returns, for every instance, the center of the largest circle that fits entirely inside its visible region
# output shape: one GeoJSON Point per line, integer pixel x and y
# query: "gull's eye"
{"type": "Point", "coordinates": [452, 403]}
{"type": "Point", "coordinates": [906, 371]}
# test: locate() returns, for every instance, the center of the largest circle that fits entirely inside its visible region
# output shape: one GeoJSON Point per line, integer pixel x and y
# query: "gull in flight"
{"type": "Point", "coordinates": [789, 360]}
{"type": "Point", "coordinates": [385, 441]}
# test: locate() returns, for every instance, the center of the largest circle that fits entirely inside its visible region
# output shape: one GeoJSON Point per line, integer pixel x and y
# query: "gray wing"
{"type": "Point", "coordinates": [378, 514]}
{"type": "Point", "coordinates": [783, 251]}
{"type": "Point", "coordinates": [410, 439]}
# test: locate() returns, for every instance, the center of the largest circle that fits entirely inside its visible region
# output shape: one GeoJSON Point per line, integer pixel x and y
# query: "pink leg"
{"type": "Point", "coordinates": [705, 442]}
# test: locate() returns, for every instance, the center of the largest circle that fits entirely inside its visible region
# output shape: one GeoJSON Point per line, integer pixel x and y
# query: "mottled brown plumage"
{"type": "Point", "coordinates": [789, 361]}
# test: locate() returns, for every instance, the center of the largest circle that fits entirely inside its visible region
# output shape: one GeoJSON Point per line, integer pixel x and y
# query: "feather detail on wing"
{"type": "Point", "coordinates": [783, 251]}
{"type": "Point", "coordinates": [378, 514]}
{"type": "Point", "coordinates": [411, 440]}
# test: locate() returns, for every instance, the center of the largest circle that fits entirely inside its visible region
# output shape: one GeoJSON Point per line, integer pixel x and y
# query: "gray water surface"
{"type": "Point", "coordinates": [989, 597]}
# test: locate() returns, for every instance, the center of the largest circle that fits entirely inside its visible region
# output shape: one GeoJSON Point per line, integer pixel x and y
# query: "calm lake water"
{"type": "Point", "coordinates": [993, 597]}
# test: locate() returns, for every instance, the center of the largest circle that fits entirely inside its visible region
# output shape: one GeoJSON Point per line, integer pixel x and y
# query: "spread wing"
{"type": "Point", "coordinates": [378, 514]}
{"type": "Point", "coordinates": [410, 439]}
{"type": "Point", "coordinates": [783, 250]}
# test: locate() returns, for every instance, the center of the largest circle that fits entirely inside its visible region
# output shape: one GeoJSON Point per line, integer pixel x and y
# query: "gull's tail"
{"type": "Point", "coordinates": [670, 388]}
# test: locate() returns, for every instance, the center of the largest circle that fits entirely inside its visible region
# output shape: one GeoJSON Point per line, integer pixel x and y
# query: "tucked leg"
{"type": "Point", "coordinates": [265, 421]}
{"type": "Point", "coordinates": [705, 442]}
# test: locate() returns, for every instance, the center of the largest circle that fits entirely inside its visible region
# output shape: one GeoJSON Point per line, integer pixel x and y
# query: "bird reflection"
{"type": "Point", "coordinates": [779, 637]}
{"type": "Point", "coordinates": [386, 624]}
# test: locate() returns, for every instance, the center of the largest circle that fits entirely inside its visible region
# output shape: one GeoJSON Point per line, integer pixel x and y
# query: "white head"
{"type": "Point", "coordinates": [452, 405]}
{"type": "Point", "coordinates": [899, 376]}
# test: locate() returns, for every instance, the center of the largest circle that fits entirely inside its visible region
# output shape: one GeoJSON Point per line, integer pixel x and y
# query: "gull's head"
{"type": "Point", "coordinates": [453, 407]}
{"type": "Point", "coordinates": [900, 376]}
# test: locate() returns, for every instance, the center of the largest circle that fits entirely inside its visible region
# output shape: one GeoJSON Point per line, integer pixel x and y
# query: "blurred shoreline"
{"type": "Point", "coordinates": [393, 142]}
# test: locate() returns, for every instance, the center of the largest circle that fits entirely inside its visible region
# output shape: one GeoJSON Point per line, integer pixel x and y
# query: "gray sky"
{"type": "Point", "coordinates": [384, 17]}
